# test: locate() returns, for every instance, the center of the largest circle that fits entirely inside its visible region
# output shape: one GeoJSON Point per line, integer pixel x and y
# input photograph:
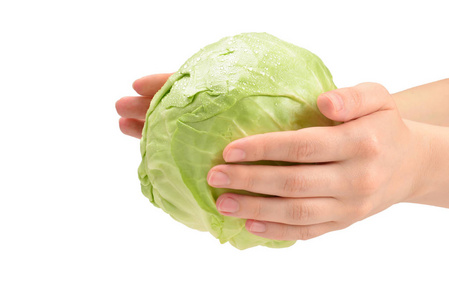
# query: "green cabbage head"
{"type": "Point", "coordinates": [243, 85]}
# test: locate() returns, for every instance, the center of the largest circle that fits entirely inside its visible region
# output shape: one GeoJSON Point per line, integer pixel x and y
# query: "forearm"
{"type": "Point", "coordinates": [428, 103]}
{"type": "Point", "coordinates": [427, 108]}
{"type": "Point", "coordinates": [433, 171]}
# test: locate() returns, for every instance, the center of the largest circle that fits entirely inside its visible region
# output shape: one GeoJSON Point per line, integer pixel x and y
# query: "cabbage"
{"type": "Point", "coordinates": [243, 85]}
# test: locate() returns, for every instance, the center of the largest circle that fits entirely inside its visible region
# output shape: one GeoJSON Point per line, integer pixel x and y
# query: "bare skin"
{"type": "Point", "coordinates": [389, 149]}
{"type": "Point", "coordinates": [132, 109]}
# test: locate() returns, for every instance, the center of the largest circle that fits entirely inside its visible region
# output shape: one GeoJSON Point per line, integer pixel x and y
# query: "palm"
{"type": "Point", "coordinates": [132, 109]}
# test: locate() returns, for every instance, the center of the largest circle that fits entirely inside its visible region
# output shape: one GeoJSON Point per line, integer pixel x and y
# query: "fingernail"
{"type": "Point", "coordinates": [256, 226]}
{"type": "Point", "coordinates": [228, 205]}
{"type": "Point", "coordinates": [235, 155]}
{"type": "Point", "coordinates": [336, 101]}
{"type": "Point", "coordinates": [218, 179]}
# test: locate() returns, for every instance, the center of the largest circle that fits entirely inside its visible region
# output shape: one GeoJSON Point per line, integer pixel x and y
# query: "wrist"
{"type": "Point", "coordinates": [427, 103]}
{"type": "Point", "coordinates": [431, 184]}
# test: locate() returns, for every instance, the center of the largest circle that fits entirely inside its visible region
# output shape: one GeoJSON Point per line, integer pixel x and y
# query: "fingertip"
{"type": "Point", "coordinates": [255, 227]}
{"type": "Point", "coordinates": [330, 102]}
{"type": "Point", "coordinates": [209, 174]}
{"type": "Point", "coordinates": [226, 196]}
{"type": "Point", "coordinates": [226, 150]}
{"type": "Point", "coordinates": [236, 150]}
{"type": "Point", "coordinates": [122, 125]}
{"type": "Point", "coordinates": [137, 84]}
{"type": "Point", "coordinates": [131, 127]}
{"type": "Point", "coordinates": [150, 84]}
{"type": "Point", "coordinates": [234, 155]}
{"type": "Point", "coordinates": [248, 224]}
{"type": "Point", "coordinates": [324, 104]}
{"type": "Point", "coordinates": [119, 106]}
{"type": "Point", "coordinates": [331, 105]}
{"type": "Point", "coordinates": [227, 204]}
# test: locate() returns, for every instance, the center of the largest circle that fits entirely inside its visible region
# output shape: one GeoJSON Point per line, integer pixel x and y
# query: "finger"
{"type": "Point", "coordinates": [285, 232]}
{"type": "Point", "coordinates": [284, 181]}
{"type": "Point", "coordinates": [293, 211]}
{"type": "Point", "coordinates": [131, 127]}
{"type": "Point", "coordinates": [314, 144]}
{"type": "Point", "coordinates": [133, 107]}
{"type": "Point", "coordinates": [149, 85]}
{"type": "Point", "coordinates": [347, 104]}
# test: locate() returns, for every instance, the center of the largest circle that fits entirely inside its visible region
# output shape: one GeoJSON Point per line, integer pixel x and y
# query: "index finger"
{"type": "Point", "coordinates": [308, 145]}
{"type": "Point", "coordinates": [149, 85]}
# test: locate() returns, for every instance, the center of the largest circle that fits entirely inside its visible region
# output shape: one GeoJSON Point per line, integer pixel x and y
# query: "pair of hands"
{"type": "Point", "coordinates": [362, 166]}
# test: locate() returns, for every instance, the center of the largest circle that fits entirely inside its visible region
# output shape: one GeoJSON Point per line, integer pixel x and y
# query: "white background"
{"type": "Point", "coordinates": [73, 223]}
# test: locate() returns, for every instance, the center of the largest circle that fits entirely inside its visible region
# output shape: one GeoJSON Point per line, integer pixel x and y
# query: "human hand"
{"type": "Point", "coordinates": [133, 109]}
{"type": "Point", "coordinates": [362, 166]}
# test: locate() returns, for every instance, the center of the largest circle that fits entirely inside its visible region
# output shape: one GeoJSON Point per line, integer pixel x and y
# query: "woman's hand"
{"type": "Point", "coordinates": [133, 109]}
{"type": "Point", "coordinates": [361, 167]}
{"type": "Point", "coordinates": [370, 162]}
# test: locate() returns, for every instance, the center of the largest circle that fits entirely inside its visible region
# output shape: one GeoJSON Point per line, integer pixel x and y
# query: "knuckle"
{"type": "Point", "coordinates": [378, 88]}
{"type": "Point", "coordinates": [297, 212]}
{"type": "Point", "coordinates": [354, 98]}
{"type": "Point", "coordinates": [293, 184]}
{"type": "Point", "coordinates": [373, 87]}
{"type": "Point", "coordinates": [289, 232]}
{"type": "Point", "coordinates": [255, 209]}
{"type": "Point", "coordinates": [249, 183]}
{"type": "Point", "coordinates": [343, 224]}
{"type": "Point", "coordinates": [304, 233]}
{"type": "Point", "coordinates": [301, 150]}
{"type": "Point", "coordinates": [362, 210]}
{"type": "Point", "coordinates": [369, 145]}
{"type": "Point", "coordinates": [368, 182]}
{"type": "Point", "coordinates": [263, 149]}
{"type": "Point", "coordinates": [257, 145]}
{"type": "Point", "coordinates": [284, 233]}
{"type": "Point", "coordinates": [242, 176]}
{"type": "Point", "coordinates": [379, 91]}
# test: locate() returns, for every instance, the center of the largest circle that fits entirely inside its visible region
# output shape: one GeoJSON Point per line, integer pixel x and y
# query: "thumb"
{"type": "Point", "coordinates": [351, 103]}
